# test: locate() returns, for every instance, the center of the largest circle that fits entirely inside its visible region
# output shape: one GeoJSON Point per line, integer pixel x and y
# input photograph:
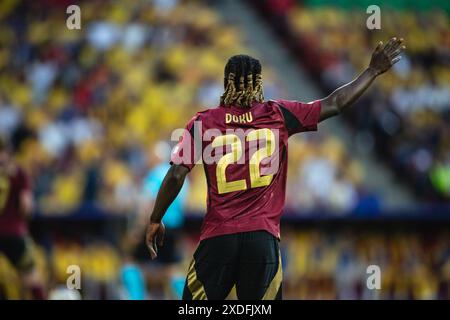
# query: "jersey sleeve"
{"type": "Point", "coordinates": [299, 116]}
{"type": "Point", "coordinates": [188, 149]}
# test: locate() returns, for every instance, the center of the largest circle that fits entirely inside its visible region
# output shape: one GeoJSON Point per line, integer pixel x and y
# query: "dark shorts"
{"type": "Point", "coordinates": [18, 251]}
{"type": "Point", "coordinates": [250, 261]}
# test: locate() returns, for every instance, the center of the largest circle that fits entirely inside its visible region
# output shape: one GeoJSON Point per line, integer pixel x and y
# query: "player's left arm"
{"type": "Point", "coordinates": [383, 58]}
{"type": "Point", "coordinates": [170, 187]}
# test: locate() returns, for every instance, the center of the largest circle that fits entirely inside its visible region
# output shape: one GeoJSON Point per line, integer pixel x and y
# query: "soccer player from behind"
{"type": "Point", "coordinates": [247, 182]}
{"type": "Point", "coordinates": [16, 205]}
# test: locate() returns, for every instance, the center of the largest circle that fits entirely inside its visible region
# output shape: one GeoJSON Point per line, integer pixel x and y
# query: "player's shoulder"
{"type": "Point", "coordinates": [279, 103]}
{"type": "Point", "coordinates": [274, 105]}
{"type": "Point", "coordinates": [206, 114]}
{"type": "Point", "coordinates": [210, 111]}
{"type": "Point", "coordinates": [204, 117]}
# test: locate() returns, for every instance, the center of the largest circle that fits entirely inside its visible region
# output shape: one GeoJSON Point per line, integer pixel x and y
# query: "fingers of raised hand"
{"type": "Point", "coordinates": [389, 44]}
{"type": "Point", "coordinates": [379, 46]}
{"type": "Point", "coordinates": [395, 44]}
{"type": "Point", "coordinates": [395, 60]}
{"type": "Point", "coordinates": [395, 53]}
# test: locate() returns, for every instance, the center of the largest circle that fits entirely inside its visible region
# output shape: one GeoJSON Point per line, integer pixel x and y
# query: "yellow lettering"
{"type": "Point", "coordinates": [243, 118]}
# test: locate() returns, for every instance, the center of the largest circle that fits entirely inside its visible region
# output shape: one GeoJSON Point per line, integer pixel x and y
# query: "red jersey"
{"type": "Point", "coordinates": [244, 153]}
{"type": "Point", "coordinates": [12, 222]}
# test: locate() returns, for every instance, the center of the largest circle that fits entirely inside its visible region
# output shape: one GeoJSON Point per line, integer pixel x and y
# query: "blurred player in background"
{"type": "Point", "coordinates": [239, 242]}
{"type": "Point", "coordinates": [16, 206]}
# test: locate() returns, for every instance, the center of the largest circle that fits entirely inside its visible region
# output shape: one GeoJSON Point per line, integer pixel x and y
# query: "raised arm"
{"type": "Point", "coordinates": [383, 58]}
{"type": "Point", "coordinates": [170, 187]}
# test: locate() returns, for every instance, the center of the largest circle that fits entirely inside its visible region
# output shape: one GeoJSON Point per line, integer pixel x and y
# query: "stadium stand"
{"type": "Point", "coordinates": [84, 110]}
{"type": "Point", "coordinates": [406, 116]}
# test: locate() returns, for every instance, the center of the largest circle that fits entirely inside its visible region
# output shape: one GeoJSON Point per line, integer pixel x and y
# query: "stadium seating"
{"type": "Point", "coordinates": [406, 115]}
{"type": "Point", "coordinates": [74, 99]}
{"type": "Point", "coordinates": [85, 108]}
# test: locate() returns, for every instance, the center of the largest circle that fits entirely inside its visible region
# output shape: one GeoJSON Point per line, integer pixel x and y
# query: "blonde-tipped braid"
{"type": "Point", "coordinates": [249, 90]}
{"type": "Point", "coordinates": [246, 94]}
{"type": "Point", "coordinates": [241, 93]}
{"type": "Point", "coordinates": [230, 91]}
{"type": "Point", "coordinates": [258, 92]}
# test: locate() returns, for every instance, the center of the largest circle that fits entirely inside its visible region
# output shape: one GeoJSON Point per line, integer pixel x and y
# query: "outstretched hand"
{"type": "Point", "coordinates": [154, 237]}
{"type": "Point", "coordinates": [384, 57]}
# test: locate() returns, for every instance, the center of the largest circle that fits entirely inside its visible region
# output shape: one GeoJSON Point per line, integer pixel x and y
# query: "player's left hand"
{"type": "Point", "coordinates": [154, 236]}
{"type": "Point", "coordinates": [384, 57]}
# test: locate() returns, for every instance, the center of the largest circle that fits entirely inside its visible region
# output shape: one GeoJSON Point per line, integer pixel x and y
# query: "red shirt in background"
{"type": "Point", "coordinates": [12, 222]}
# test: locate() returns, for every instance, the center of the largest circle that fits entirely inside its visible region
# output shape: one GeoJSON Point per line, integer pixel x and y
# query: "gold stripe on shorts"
{"type": "Point", "coordinates": [194, 285]}
{"type": "Point", "coordinates": [275, 284]}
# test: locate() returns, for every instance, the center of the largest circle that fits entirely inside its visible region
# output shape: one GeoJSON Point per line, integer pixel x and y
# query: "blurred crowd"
{"type": "Point", "coordinates": [317, 264]}
{"type": "Point", "coordinates": [85, 108]}
{"type": "Point", "coordinates": [405, 117]}
{"type": "Point", "coordinates": [89, 114]}
{"type": "Point", "coordinates": [334, 264]}
{"type": "Point", "coordinates": [99, 263]}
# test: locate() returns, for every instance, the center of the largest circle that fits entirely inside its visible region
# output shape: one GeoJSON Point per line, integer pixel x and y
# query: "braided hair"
{"type": "Point", "coordinates": [242, 82]}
